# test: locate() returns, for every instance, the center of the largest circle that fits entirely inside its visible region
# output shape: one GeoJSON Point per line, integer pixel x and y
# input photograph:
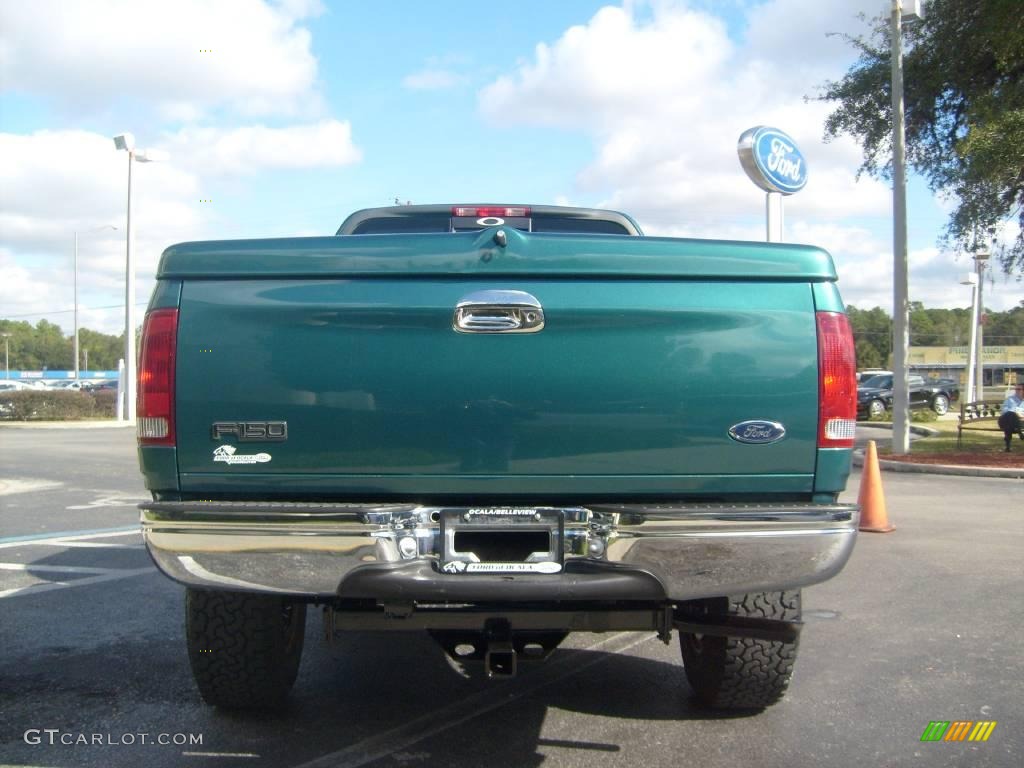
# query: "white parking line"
{"type": "Point", "coordinates": [115, 500]}
{"type": "Point", "coordinates": [54, 568]}
{"type": "Point", "coordinates": [51, 585]}
{"type": "Point", "coordinates": [92, 544]}
{"type": "Point", "coordinates": [387, 743]}
{"type": "Point", "coordinates": [31, 541]}
{"type": "Point", "coordinates": [26, 485]}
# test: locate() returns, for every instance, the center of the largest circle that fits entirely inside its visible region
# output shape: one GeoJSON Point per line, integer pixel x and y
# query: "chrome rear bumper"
{"type": "Point", "coordinates": [393, 551]}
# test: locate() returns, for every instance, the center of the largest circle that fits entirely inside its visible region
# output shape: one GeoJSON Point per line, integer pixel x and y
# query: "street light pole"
{"type": "Point", "coordinates": [129, 307]}
{"type": "Point", "coordinates": [972, 280]}
{"type": "Point", "coordinates": [979, 365]}
{"type": "Point", "coordinates": [127, 142]}
{"type": "Point", "coordinates": [900, 311]}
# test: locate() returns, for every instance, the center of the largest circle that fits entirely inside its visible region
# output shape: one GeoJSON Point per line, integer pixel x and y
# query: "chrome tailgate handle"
{"type": "Point", "coordinates": [498, 311]}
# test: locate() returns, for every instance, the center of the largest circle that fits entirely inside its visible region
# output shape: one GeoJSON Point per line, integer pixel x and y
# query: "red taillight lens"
{"type": "Point", "coordinates": [837, 381]}
{"type": "Point", "coordinates": [482, 211]}
{"type": "Point", "coordinates": [155, 411]}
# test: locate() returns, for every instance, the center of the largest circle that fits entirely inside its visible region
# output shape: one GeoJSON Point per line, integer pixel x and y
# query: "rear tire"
{"type": "Point", "coordinates": [244, 648]}
{"type": "Point", "coordinates": [741, 673]}
{"type": "Point", "coordinates": [940, 404]}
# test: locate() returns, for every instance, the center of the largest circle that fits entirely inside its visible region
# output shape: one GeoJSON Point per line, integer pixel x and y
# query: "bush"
{"type": "Point", "coordinates": [40, 405]}
{"type": "Point", "coordinates": [105, 402]}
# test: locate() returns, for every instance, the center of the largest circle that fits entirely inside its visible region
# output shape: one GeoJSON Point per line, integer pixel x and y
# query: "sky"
{"type": "Point", "coordinates": [279, 118]}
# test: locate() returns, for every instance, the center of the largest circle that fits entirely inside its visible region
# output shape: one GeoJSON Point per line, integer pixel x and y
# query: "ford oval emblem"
{"type": "Point", "coordinates": [757, 432]}
{"type": "Point", "coordinates": [772, 160]}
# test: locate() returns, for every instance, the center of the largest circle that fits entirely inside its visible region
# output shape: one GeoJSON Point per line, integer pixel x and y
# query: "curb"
{"type": "Point", "coordinates": [111, 424]}
{"type": "Point", "coordinates": [1012, 473]}
{"type": "Point", "coordinates": [915, 428]}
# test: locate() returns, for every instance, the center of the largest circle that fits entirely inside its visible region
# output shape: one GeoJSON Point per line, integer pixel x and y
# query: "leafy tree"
{"type": "Point", "coordinates": [1005, 328]}
{"type": "Point", "coordinates": [867, 355]}
{"type": "Point", "coordinates": [104, 350]}
{"type": "Point", "coordinates": [872, 328]}
{"type": "Point", "coordinates": [45, 347]}
{"type": "Point", "coordinates": [964, 104]}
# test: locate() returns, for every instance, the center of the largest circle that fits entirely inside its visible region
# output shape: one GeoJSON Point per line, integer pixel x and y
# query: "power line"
{"type": "Point", "coordinates": [66, 311]}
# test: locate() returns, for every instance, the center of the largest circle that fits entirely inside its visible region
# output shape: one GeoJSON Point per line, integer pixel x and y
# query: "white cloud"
{"type": "Point", "coordinates": [439, 73]}
{"type": "Point", "coordinates": [432, 80]}
{"type": "Point", "coordinates": [53, 183]}
{"type": "Point", "coordinates": [252, 148]}
{"type": "Point", "coordinates": [794, 34]}
{"type": "Point", "coordinates": [665, 98]}
{"type": "Point", "coordinates": [600, 74]}
{"type": "Point", "coordinates": [185, 57]}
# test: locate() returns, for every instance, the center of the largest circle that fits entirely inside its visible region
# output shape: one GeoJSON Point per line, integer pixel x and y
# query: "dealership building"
{"type": "Point", "coordinates": [1001, 364]}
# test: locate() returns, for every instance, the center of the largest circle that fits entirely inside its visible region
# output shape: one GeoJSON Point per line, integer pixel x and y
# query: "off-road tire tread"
{"type": "Point", "coordinates": [239, 650]}
{"type": "Point", "coordinates": [742, 673]}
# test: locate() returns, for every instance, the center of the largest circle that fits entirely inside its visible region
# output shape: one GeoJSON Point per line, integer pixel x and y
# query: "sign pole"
{"type": "Point", "coordinates": [773, 214]}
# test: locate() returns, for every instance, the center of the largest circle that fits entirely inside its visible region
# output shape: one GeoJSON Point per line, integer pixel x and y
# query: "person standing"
{"type": "Point", "coordinates": [1011, 420]}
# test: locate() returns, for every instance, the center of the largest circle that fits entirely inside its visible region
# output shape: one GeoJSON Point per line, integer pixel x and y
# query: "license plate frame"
{"type": "Point", "coordinates": [499, 521]}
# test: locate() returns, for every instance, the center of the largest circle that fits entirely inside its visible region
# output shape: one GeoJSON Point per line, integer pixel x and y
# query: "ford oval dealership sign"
{"type": "Point", "coordinates": [772, 160]}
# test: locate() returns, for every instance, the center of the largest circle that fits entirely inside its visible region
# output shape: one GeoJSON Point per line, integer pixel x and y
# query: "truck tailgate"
{"type": "Point", "coordinates": [631, 387]}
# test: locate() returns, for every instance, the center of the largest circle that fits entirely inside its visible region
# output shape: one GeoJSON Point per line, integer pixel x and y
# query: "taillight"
{"type": "Point", "coordinates": [483, 211]}
{"type": "Point", "coordinates": [837, 381]}
{"type": "Point", "coordinates": [155, 422]}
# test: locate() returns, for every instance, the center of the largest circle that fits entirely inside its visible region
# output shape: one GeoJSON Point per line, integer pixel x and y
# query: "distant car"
{"type": "Point", "coordinates": [103, 386]}
{"type": "Point", "coordinates": [11, 386]}
{"type": "Point", "coordinates": [874, 396]}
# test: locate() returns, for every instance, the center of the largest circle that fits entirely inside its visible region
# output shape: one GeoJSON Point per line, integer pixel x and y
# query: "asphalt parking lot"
{"type": "Point", "coordinates": [924, 624]}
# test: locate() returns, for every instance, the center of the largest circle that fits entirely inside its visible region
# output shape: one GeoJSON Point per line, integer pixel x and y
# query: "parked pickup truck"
{"type": "Point", "coordinates": [498, 425]}
{"type": "Point", "coordinates": [874, 396]}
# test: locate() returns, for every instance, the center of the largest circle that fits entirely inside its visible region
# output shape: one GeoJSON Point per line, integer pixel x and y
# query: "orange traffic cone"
{"type": "Point", "coordinates": [873, 516]}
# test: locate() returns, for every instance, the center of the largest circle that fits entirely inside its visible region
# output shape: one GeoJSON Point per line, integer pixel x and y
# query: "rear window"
{"type": "Point", "coordinates": [581, 226]}
{"type": "Point", "coordinates": [400, 225]}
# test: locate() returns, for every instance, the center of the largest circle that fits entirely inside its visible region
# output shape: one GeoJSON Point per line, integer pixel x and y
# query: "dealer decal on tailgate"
{"type": "Point", "coordinates": [226, 453]}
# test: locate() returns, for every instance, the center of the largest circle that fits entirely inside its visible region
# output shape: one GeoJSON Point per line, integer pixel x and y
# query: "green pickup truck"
{"type": "Point", "coordinates": [497, 424]}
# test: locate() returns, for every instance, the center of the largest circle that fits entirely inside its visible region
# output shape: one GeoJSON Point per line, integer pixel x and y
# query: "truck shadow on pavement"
{"type": "Point", "coordinates": [403, 702]}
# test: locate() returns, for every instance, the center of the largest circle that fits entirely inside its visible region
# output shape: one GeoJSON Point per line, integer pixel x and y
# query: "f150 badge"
{"type": "Point", "coordinates": [250, 431]}
{"type": "Point", "coordinates": [757, 432]}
